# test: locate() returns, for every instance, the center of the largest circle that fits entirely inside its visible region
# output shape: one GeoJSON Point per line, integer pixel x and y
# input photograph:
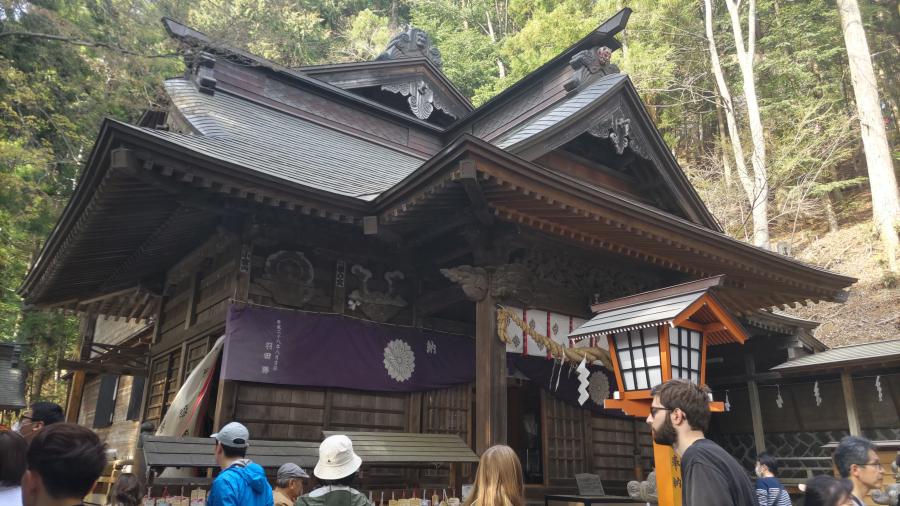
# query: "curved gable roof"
{"type": "Point", "coordinates": [599, 109]}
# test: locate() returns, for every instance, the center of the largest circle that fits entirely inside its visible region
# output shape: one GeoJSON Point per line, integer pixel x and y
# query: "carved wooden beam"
{"type": "Point", "coordinates": [433, 302]}
{"type": "Point", "coordinates": [468, 177]}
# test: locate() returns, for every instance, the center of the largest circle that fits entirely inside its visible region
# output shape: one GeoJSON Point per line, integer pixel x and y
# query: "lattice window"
{"type": "Point", "coordinates": [195, 353]}
{"type": "Point", "coordinates": [566, 447]}
{"type": "Point", "coordinates": [685, 345]}
{"type": "Point", "coordinates": [164, 384]}
{"type": "Point", "coordinates": [639, 361]}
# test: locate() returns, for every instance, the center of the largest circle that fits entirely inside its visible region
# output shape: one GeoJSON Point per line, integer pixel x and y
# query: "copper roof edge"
{"type": "Point", "coordinates": [660, 293]}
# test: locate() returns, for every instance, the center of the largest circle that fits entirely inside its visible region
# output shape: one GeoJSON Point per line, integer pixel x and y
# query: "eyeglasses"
{"type": "Point", "coordinates": [654, 410]}
{"type": "Point", "coordinates": [877, 464]}
{"type": "Point", "coordinates": [23, 418]}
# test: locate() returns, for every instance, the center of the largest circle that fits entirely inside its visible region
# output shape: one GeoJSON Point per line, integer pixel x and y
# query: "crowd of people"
{"type": "Point", "coordinates": [47, 462]}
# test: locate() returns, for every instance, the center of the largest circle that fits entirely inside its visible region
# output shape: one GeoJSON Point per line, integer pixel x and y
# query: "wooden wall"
{"type": "Point", "coordinates": [579, 441]}
{"type": "Point", "coordinates": [122, 434]}
{"type": "Point", "coordinates": [616, 441]}
{"type": "Point", "coordinates": [301, 414]}
{"type": "Point", "coordinates": [168, 371]}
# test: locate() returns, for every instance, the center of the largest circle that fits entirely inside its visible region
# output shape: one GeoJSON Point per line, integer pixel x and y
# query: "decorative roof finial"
{"type": "Point", "coordinates": [412, 42]}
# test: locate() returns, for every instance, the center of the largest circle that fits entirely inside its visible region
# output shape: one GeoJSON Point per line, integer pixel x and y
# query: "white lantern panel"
{"type": "Point", "coordinates": [695, 360]}
{"type": "Point", "coordinates": [651, 336]}
{"type": "Point", "coordinates": [629, 381]}
{"type": "Point", "coordinates": [673, 352]}
{"type": "Point", "coordinates": [625, 359]}
{"type": "Point", "coordinates": [684, 358]}
{"type": "Point", "coordinates": [695, 340]}
{"type": "Point", "coordinates": [642, 381]}
{"type": "Point", "coordinates": [652, 355]}
{"type": "Point", "coordinates": [655, 376]}
{"type": "Point", "coordinates": [621, 340]}
{"type": "Point", "coordinates": [638, 358]}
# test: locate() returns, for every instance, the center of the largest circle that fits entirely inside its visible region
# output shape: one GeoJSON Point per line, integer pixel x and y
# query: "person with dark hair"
{"type": "Point", "coordinates": [12, 467]}
{"type": "Point", "coordinates": [336, 471]}
{"type": "Point", "coordinates": [769, 491]}
{"type": "Point", "coordinates": [64, 460]}
{"type": "Point", "coordinates": [40, 415]}
{"type": "Point", "coordinates": [679, 417]}
{"type": "Point", "coordinates": [827, 490]}
{"type": "Point", "coordinates": [856, 460]}
{"type": "Point", "coordinates": [241, 481]}
{"type": "Point", "coordinates": [288, 484]}
{"type": "Point", "coordinates": [126, 491]}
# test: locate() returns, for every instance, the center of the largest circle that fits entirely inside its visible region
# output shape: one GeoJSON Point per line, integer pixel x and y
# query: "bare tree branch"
{"type": "Point", "coordinates": [87, 43]}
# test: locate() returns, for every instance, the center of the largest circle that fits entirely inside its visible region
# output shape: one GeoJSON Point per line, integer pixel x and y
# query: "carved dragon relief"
{"type": "Point", "coordinates": [590, 62]}
{"type": "Point", "coordinates": [617, 125]}
{"type": "Point", "coordinates": [542, 278]}
{"type": "Point", "coordinates": [379, 306]}
{"type": "Point", "coordinates": [410, 43]}
{"type": "Point", "coordinates": [422, 99]}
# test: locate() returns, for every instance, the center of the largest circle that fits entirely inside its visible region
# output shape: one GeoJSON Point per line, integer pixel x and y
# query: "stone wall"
{"type": "Point", "coordinates": [792, 444]}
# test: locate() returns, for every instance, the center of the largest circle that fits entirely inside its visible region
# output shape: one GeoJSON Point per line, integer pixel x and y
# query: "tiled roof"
{"type": "Point", "coordinates": [888, 351]}
{"type": "Point", "coordinates": [637, 316]}
{"type": "Point", "coordinates": [563, 110]}
{"type": "Point", "coordinates": [283, 146]}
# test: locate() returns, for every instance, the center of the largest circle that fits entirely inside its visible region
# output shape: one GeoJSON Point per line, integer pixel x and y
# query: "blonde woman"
{"type": "Point", "coordinates": [498, 481]}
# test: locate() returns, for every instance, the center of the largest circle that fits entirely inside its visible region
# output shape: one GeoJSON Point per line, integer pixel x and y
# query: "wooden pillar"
{"type": "Point", "coordinates": [850, 403]}
{"type": "Point", "coordinates": [490, 378]}
{"type": "Point", "coordinates": [668, 475]}
{"type": "Point", "coordinates": [76, 392]}
{"type": "Point", "coordinates": [759, 437]}
{"type": "Point", "coordinates": [227, 393]}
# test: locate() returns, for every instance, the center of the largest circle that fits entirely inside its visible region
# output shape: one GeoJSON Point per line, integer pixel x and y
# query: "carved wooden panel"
{"type": "Point", "coordinates": [566, 448]}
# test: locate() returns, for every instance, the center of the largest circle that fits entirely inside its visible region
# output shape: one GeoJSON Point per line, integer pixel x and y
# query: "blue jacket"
{"type": "Point", "coordinates": [242, 484]}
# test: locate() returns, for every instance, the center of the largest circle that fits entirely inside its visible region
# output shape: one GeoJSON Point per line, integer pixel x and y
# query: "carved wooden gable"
{"type": "Point", "coordinates": [406, 76]}
{"type": "Point", "coordinates": [601, 133]}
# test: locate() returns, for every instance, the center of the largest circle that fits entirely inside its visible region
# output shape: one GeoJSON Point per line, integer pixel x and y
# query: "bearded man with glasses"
{"type": "Point", "coordinates": [679, 417]}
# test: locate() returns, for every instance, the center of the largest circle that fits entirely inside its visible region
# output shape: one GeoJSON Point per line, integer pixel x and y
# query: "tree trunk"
{"type": "Point", "coordinates": [723, 145]}
{"type": "Point", "coordinates": [749, 184]}
{"type": "Point", "coordinates": [882, 179]}
{"type": "Point", "coordinates": [760, 200]}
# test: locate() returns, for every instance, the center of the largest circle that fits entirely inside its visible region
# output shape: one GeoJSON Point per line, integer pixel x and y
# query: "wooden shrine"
{"type": "Point", "coordinates": [374, 190]}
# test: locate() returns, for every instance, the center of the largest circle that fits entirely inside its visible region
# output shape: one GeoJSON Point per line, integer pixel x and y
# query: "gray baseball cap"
{"type": "Point", "coordinates": [291, 470]}
{"type": "Point", "coordinates": [234, 435]}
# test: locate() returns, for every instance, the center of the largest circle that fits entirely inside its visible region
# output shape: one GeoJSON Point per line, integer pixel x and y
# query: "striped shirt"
{"type": "Point", "coordinates": [769, 492]}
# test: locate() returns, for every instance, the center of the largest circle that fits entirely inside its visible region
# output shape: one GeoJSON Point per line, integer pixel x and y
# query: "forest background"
{"type": "Point", "coordinates": [67, 64]}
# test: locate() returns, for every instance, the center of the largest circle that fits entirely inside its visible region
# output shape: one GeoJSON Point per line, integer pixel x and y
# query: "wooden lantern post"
{"type": "Point", "coordinates": [649, 352]}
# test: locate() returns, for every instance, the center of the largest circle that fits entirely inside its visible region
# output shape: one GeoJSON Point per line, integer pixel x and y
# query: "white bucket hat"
{"type": "Point", "coordinates": [336, 458]}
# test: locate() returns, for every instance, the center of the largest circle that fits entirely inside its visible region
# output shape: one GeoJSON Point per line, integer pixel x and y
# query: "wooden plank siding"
{"type": "Point", "coordinates": [122, 434]}
{"type": "Point", "coordinates": [614, 445]}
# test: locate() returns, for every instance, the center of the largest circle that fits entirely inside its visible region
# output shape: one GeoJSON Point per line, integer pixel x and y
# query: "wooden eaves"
{"type": "Point", "coordinates": [533, 196]}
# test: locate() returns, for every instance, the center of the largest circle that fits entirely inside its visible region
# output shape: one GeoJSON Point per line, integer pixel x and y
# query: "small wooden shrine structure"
{"type": "Point", "coordinates": [373, 192]}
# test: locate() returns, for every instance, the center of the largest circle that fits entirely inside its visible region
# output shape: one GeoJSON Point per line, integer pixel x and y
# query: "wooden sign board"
{"type": "Point", "coordinates": [589, 485]}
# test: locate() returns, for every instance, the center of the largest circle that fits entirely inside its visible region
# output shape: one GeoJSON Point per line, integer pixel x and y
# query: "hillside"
{"type": "Point", "coordinates": [872, 312]}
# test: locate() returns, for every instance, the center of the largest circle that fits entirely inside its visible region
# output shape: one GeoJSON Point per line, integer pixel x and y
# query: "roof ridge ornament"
{"type": "Point", "coordinates": [412, 42]}
{"type": "Point", "coordinates": [590, 62]}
